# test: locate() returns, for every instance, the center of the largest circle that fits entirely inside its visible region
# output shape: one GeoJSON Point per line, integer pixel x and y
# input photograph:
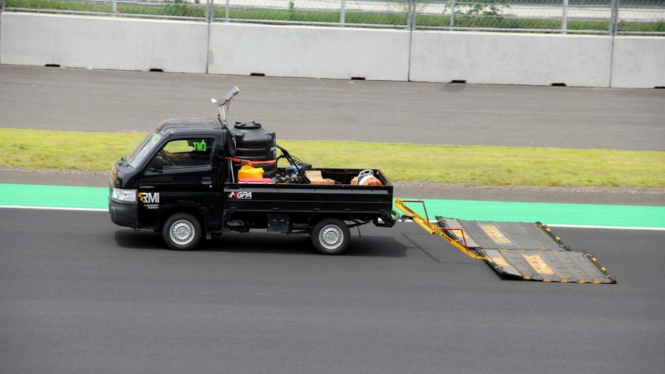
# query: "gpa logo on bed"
{"type": "Point", "coordinates": [240, 195]}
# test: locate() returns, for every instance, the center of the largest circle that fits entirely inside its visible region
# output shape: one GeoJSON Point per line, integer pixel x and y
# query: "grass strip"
{"type": "Point", "coordinates": [478, 165]}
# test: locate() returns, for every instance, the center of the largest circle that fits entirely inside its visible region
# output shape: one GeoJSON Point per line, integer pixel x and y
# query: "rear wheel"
{"type": "Point", "coordinates": [182, 232]}
{"type": "Point", "coordinates": [331, 236]}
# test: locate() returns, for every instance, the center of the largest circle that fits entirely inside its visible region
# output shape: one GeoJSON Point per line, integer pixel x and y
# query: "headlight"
{"type": "Point", "coordinates": [124, 196]}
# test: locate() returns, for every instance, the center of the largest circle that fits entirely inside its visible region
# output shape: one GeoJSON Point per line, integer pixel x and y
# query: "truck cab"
{"type": "Point", "coordinates": [174, 168]}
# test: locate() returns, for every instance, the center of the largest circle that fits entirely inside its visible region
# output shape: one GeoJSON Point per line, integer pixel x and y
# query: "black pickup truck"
{"type": "Point", "coordinates": [183, 180]}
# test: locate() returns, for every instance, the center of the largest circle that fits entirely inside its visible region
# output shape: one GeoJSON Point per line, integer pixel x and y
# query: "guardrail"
{"type": "Point", "coordinates": [602, 17]}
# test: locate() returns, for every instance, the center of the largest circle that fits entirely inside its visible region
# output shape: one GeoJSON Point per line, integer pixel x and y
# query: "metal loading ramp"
{"type": "Point", "coordinates": [525, 251]}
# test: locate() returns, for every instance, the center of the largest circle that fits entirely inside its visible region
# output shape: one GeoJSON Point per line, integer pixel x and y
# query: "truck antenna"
{"type": "Point", "coordinates": [224, 104]}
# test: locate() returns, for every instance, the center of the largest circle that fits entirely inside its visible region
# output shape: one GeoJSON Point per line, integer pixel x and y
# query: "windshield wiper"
{"type": "Point", "coordinates": [124, 162]}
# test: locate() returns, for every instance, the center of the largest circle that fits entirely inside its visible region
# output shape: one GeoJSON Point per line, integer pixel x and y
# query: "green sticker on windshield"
{"type": "Point", "coordinates": [200, 146]}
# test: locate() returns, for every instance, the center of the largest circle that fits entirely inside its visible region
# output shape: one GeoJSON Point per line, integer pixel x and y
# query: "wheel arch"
{"type": "Point", "coordinates": [191, 209]}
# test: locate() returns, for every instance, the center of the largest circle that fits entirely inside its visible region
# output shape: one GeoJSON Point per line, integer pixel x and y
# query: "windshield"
{"type": "Point", "coordinates": [143, 149]}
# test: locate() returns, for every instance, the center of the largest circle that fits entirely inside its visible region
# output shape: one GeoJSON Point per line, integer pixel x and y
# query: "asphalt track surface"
{"type": "Point", "coordinates": [80, 295]}
{"type": "Point", "coordinates": [427, 113]}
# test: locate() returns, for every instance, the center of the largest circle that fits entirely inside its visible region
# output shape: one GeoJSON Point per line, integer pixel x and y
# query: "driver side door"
{"type": "Point", "coordinates": [182, 176]}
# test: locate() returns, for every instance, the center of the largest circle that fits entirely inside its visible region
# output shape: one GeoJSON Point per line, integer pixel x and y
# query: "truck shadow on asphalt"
{"type": "Point", "coordinates": [297, 244]}
{"type": "Point", "coordinates": [438, 250]}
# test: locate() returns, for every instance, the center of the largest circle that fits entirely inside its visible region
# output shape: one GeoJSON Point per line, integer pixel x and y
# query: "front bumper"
{"type": "Point", "coordinates": [125, 215]}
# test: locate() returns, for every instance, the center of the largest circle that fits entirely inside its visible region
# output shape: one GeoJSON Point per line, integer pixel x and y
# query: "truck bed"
{"type": "Point", "coordinates": [348, 201]}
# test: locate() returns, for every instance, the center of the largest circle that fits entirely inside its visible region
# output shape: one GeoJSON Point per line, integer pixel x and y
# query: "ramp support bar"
{"type": "Point", "coordinates": [431, 228]}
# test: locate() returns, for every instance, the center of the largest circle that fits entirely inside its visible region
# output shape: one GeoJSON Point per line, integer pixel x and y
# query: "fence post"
{"type": "Point", "coordinates": [564, 17]}
{"type": "Point", "coordinates": [411, 20]}
{"type": "Point", "coordinates": [115, 8]}
{"type": "Point", "coordinates": [342, 13]}
{"type": "Point", "coordinates": [408, 14]}
{"type": "Point", "coordinates": [226, 11]}
{"type": "Point", "coordinates": [614, 18]}
{"type": "Point", "coordinates": [452, 13]}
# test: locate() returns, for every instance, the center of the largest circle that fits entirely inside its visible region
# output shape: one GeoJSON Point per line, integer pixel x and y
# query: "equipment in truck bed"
{"type": "Point", "coordinates": [527, 251]}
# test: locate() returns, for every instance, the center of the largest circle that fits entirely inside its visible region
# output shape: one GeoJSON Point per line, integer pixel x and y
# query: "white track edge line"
{"type": "Point", "coordinates": [591, 227]}
{"type": "Point", "coordinates": [609, 227]}
{"type": "Point", "coordinates": [555, 225]}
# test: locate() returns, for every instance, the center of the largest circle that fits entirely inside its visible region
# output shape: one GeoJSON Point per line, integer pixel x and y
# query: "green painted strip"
{"type": "Point", "coordinates": [551, 214]}
{"type": "Point", "coordinates": [54, 196]}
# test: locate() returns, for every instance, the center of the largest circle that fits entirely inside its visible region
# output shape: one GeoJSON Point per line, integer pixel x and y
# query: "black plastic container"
{"type": "Point", "coordinates": [255, 144]}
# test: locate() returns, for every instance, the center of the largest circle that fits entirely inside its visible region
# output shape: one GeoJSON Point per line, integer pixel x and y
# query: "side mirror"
{"type": "Point", "coordinates": [157, 164]}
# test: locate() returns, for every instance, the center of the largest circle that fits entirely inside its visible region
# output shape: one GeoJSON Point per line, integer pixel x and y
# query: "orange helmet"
{"type": "Point", "coordinates": [370, 181]}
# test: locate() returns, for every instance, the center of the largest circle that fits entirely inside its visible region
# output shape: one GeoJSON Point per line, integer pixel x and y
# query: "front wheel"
{"type": "Point", "coordinates": [331, 236]}
{"type": "Point", "coordinates": [182, 232]}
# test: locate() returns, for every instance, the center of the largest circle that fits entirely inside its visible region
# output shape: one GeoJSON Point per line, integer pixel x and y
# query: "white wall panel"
{"type": "Point", "coordinates": [499, 58]}
{"type": "Point", "coordinates": [310, 52]}
{"type": "Point", "coordinates": [103, 42]}
{"type": "Point", "coordinates": [638, 62]}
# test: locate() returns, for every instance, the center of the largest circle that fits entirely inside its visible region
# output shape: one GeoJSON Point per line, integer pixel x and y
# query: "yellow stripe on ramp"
{"type": "Point", "coordinates": [495, 234]}
{"type": "Point", "coordinates": [538, 264]}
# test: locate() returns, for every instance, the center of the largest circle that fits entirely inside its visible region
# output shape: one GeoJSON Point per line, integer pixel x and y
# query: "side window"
{"type": "Point", "coordinates": [186, 153]}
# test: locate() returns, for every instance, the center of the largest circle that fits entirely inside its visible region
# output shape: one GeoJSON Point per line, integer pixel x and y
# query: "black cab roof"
{"type": "Point", "coordinates": [185, 125]}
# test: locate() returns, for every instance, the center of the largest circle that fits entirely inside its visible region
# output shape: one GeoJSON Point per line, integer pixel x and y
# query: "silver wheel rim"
{"type": "Point", "coordinates": [331, 237]}
{"type": "Point", "coordinates": [182, 232]}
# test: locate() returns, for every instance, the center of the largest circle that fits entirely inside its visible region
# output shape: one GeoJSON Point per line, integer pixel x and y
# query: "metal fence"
{"type": "Point", "coordinates": [368, 13]}
{"type": "Point", "coordinates": [607, 17]}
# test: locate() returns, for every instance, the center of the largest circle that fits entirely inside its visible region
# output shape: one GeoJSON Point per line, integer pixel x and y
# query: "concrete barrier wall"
{"type": "Point", "coordinates": [337, 53]}
{"type": "Point", "coordinates": [103, 43]}
{"type": "Point", "coordinates": [638, 62]}
{"type": "Point", "coordinates": [310, 52]}
{"type": "Point", "coordinates": [511, 58]}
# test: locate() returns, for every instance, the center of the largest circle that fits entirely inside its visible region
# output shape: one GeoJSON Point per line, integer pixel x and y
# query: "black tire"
{"type": "Point", "coordinates": [182, 232]}
{"type": "Point", "coordinates": [331, 236]}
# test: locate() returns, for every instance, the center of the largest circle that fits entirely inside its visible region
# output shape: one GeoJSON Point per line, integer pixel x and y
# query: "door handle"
{"type": "Point", "coordinates": [206, 180]}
